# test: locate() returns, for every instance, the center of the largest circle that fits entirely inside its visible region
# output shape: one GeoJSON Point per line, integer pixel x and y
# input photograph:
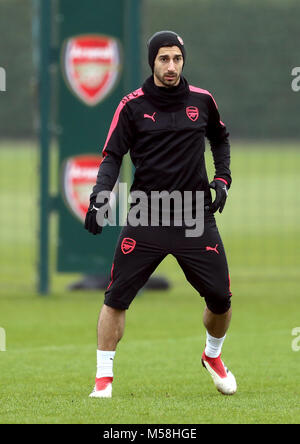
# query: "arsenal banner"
{"type": "Point", "coordinates": [91, 66]}
{"type": "Point", "coordinates": [91, 41]}
{"type": "Point", "coordinates": [79, 177]}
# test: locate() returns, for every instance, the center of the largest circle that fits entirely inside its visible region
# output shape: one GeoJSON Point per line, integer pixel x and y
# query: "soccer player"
{"type": "Point", "coordinates": [163, 125]}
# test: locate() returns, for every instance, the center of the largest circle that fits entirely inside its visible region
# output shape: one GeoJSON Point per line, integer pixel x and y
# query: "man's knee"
{"type": "Point", "coordinates": [218, 301]}
{"type": "Point", "coordinates": [112, 308]}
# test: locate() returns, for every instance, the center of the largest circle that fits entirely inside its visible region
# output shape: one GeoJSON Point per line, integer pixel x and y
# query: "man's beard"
{"type": "Point", "coordinates": [168, 83]}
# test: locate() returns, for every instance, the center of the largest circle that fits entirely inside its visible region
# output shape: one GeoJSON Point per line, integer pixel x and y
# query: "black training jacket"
{"type": "Point", "coordinates": [164, 130]}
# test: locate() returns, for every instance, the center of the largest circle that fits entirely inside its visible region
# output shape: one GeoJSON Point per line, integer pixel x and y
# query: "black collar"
{"type": "Point", "coordinates": [171, 99]}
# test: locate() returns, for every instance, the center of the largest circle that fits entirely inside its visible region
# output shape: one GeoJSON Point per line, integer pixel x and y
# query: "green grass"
{"type": "Point", "coordinates": [48, 369]}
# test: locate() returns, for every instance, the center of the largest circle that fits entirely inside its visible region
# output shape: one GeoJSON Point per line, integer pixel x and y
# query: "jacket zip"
{"type": "Point", "coordinates": [173, 120]}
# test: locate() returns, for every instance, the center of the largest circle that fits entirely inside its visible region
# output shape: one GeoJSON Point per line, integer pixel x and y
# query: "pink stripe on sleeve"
{"type": "Point", "coordinates": [220, 178]}
{"type": "Point", "coordinates": [139, 92]}
{"type": "Point", "coordinates": [204, 91]}
{"type": "Point", "coordinates": [113, 125]}
{"type": "Point", "coordinates": [199, 90]}
{"type": "Point", "coordinates": [111, 275]}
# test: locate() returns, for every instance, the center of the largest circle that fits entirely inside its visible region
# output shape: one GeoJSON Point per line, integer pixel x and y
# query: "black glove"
{"type": "Point", "coordinates": [221, 195]}
{"type": "Point", "coordinates": [90, 223]}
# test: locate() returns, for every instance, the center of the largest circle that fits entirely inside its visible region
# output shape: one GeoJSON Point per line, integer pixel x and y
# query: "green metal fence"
{"type": "Point", "coordinates": [242, 51]}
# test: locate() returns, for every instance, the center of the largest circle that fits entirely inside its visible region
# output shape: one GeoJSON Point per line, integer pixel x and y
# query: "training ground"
{"type": "Point", "coordinates": [48, 368]}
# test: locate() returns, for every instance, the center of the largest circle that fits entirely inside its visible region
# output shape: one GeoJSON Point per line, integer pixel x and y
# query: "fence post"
{"type": "Point", "coordinates": [44, 140]}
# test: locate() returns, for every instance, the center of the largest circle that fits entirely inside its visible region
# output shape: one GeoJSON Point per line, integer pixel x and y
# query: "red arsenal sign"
{"type": "Point", "coordinates": [192, 112]}
{"type": "Point", "coordinates": [79, 177]}
{"type": "Point", "coordinates": [128, 245]}
{"type": "Point", "coordinates": [91, 66]}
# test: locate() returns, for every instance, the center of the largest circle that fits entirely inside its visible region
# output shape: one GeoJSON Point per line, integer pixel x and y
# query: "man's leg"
{"type": "Point", "coordinates": [216, 327]}
{"type": "Point", "coordinates": [111, 326]}
{"type": "Point", "coordinates": [137, 255]}
{"type": "Point", "coordinates": [110, 330]}
{"type": "Point", "coordinates": [204, 263]}
{"type": "Point", "coordinates": [216, 324]}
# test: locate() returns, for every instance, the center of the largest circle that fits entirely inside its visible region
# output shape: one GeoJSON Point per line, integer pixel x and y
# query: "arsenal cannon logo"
{"type": "Point", "coordinates": [91, 66]}
{"type": "Point", "coordinates": [79, 175]}
{"type": "Point", "coordinates": [128, 245]}
{"type": "Point", "coordinates": [192, 112]}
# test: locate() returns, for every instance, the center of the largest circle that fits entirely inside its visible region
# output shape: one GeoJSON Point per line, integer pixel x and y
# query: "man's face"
{"type": "Point", "coordinates": [168, 66]}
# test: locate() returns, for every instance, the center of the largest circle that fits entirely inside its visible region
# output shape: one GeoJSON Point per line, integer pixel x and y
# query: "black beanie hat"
{"type": "Point", "coordinates": [160, 39]}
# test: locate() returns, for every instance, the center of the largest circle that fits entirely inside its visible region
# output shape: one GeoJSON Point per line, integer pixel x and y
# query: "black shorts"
{"type": "Point", "coordinates": [141, 249]}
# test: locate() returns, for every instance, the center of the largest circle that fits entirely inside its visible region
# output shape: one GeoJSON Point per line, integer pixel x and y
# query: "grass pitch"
{"type": "Point", "coordinates": [48, 368]}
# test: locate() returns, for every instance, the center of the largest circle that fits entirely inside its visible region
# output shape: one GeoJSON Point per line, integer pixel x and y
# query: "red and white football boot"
{"type": "Point", "coordinates": [223, 379]}
{"type": "Point", "coordinates": [103, 388]}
